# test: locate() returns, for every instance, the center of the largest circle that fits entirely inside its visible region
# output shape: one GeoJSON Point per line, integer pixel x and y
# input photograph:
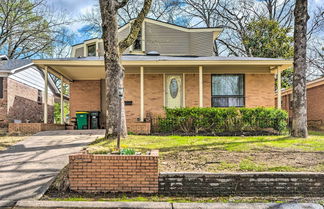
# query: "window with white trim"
{"type": "Point", "coordinates": [228, 90]}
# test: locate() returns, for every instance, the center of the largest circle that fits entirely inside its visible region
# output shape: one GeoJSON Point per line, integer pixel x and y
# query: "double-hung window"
{"type": "Point", "coordinates": [228, 90]}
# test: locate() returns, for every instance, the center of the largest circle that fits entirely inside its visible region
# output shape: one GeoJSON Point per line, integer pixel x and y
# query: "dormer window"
{"type": "Point", "coordinates": [138, 42]}
{"type": "Point", "coordinates": [91, 50]}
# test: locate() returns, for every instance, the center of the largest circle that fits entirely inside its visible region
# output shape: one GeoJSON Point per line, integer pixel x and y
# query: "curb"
{"type": "Point", "coordinates": [7, 203]}
{"type": "Point", "coordinates": [84, 204]}
{"type": "Point", "coordinates": [160, 205]}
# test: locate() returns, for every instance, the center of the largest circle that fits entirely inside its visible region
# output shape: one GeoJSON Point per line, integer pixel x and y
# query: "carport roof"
{"type": "Point", "coordinates": [92, 68]}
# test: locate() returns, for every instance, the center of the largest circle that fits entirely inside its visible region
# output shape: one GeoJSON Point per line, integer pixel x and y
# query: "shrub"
{"type": "Point", "coordinates": [220, 120]}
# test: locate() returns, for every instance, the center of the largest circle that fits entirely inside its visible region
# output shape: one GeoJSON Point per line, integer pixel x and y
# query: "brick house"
{"type": "Point", "coordinates": [22, 93]}
{"type": "Point", "coordinates": [315, 101]}
{"type": "Point", "coordinates": [168, 66]}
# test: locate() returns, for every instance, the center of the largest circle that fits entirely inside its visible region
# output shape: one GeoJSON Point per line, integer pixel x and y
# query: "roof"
{"type": "Point", "coordinates": [166, 24]}
{"type": "Point", "coordinates": [171, 58]}
{"type": "Point", "coordinates": [92, 68]}
{"type": "Point", "coordinates": [13, 65]}
{"type": "Point", "coordinates": [310, 84]}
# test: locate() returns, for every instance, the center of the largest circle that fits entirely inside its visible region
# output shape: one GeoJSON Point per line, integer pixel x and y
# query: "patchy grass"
{"type": "Point", "coordinates": [228, 154]}
{"type": "Point", "coordinates": [7, 141]}
{"type": "Point", "coordinates": [236, 199]}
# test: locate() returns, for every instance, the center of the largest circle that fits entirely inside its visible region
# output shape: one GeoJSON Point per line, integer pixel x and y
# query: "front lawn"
{"type": "Point", "coordinates": [6, 141]}
{"type": "Point", "coordinates": [228, 154]}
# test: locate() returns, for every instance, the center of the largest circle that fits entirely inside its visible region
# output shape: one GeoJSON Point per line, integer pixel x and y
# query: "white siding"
{"type": "Point", "coordinates": [31, 77]}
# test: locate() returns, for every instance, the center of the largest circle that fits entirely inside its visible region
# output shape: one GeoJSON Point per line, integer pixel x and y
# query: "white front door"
{"type": "Point", "coordinates": [173, 91]}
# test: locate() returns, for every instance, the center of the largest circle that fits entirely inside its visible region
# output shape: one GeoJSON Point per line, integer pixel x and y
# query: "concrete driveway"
{"type": "Point", "coordinates": [27, 168]}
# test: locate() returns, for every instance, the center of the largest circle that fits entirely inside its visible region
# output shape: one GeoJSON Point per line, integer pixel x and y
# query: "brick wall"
{"type": "Point", "coordinates": [259, 90]}
{"type": "Point", "coordinates": [139, 128]}
{"type": "Point", "coordinates": [315, 107]}
{"type": "Point", "coordinates": [242, 184]}
{"type": "Point", "coordinates": [114, 173]}
{"type": "Point", "coordinates": [3, 105]}
{"type": "Point", "coordinates": [22, 103]}
{"type": "Point", "coordinates": [84, 96]}
{"type": "Point", "coordinates": [32, 128]}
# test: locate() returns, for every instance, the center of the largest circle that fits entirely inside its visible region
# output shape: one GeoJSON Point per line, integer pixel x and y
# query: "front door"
{"type": "Point", "coordinates": [173, 91]}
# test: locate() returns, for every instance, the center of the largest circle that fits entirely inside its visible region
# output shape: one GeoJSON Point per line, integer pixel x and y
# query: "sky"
{"type": "Point", "coordinates": [76, 8]}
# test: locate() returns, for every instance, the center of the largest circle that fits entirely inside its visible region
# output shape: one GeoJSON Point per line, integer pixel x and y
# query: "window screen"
{"type": "Point", "coordinates": [1, 88]}
{"type": "Point", "coordinates": [228, 90]}
{"type": "Point", "coordinates": [91, 50]}
{"type": "Point", "coordinates": [138, 42]}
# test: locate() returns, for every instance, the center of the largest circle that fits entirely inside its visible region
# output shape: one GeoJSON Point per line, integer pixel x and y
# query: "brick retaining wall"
{"type": "Point", "coordinates": [243, 184]}
{"type": "Point", "coordinates": [139, 128]}
{"type": "Point", "coordinates": [32, 128]}
{"type": "Point", "coordinates": [114, 173]}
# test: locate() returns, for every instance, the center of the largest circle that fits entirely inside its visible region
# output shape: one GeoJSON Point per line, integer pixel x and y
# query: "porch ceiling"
{"type": "Point", "coordinates": [74, 69]}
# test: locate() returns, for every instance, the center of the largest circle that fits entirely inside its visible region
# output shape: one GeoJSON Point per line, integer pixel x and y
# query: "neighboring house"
{"type": "Point", "coordinates": [315, 101]}
{"type": "Point", "coordinates": [168, 66]}
{"type": "Point", "coordinates": [22, 92]}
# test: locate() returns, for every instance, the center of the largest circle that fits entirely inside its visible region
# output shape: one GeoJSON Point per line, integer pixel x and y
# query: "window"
{"type": "Point", "coordinates": [138, 42]}
{"type": "Point", "coordinates": [92, 50]}
{"type": "Point", "coordinates": [228, 90]}
{"type": "Point", "coordinates": [40, 97]}
{"type": "Point", "coordinates": [1, 88]}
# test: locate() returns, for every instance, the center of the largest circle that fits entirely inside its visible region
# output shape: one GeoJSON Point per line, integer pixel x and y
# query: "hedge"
{"type": "Point", "coordinates": [219, 120]}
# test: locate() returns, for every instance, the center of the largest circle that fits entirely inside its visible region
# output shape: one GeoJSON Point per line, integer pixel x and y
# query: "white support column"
{"type": "Point", "coordinates": [62, 101]}
{"type": "Point", "coordinates": [142, 94]}
{"type": "Point", "coordinates": [183, 90]}
{"type": "Point", "coordinates": [46, 95]}
{"type": "Point", "coordinates": [279, 98]}
{"type": "Point", "coordinates": [201, 91]}
{"type": "Point", "coordinates": [164, 90]}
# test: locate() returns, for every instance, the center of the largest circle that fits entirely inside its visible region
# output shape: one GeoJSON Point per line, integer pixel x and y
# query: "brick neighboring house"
{"type": "Point", "coordinates": [22, 93]}
{"type": "Point", "coordinates": [168, 66]}
{"type": "Point", "coordinates": [315, 102]}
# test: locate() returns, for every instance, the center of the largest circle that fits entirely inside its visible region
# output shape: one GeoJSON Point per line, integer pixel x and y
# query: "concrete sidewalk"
{"type": "Point", "coordinates": [161, 205]}
{"type": "Point", "coordinates": [27, 168]}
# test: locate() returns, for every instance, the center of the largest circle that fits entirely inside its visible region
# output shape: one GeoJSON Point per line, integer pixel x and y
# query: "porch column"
{"type": "Point", "coordinates": [279, 98]}
{"type": "Point", "coordinates": [62, 101]}
{"type": "Point", "coordinates": [201, 91]}
{"type": "Point", "coordinates": [46, 95]}
{"type": "Point", "coordinates": [183, 90]}
{"type": "Point", "coordinates": [142, 94]}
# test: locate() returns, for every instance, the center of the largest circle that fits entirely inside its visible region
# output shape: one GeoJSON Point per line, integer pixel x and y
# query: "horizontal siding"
{"type": "Point", "coordinates": [166, 40]}
{"type": "Point", "coordinates": [31, 77]}
{"type": "Point", "coordinates": [79, 52]}
{"type": "Point", "coordinates": [201, 43]}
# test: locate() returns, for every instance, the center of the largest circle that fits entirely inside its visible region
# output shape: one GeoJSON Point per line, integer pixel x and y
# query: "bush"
{"type": "Point", "coordinates": [220, 120]}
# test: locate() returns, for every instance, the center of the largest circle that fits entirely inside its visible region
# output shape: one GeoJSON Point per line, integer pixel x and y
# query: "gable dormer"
{"type": "Point", "coordinates": [165, 38]}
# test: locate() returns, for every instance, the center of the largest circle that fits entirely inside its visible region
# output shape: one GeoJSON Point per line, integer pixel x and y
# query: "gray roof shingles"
{"type": "Point", "coordinates": [9, 65]}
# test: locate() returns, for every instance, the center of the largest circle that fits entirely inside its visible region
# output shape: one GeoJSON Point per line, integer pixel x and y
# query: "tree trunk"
{"type": "Point", "coordinates": [299, 123]}
{"type": "Point", "coordinates": [114, 69]}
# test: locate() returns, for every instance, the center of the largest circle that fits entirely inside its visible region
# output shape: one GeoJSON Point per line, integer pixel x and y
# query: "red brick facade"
{"type": "Point", "coordinates": [32, 128]}
{"type": "Point", "coordinates": [20, 102]}
{"type": "Point", "coordinates": [85, 95]}
{"type": "Point", "coordinates": [315, 101]}
{"type": "Point", "coordinates": [114, 173]}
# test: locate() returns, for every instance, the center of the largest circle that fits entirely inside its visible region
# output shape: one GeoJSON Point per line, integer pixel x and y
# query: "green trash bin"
{"type": "Point", "coordinates": [82, 120]}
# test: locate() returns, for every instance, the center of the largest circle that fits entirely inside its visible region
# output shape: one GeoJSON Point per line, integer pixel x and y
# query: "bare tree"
{"type": "Point", "coordinates": [28, 28]}
{"type": "Point", "coordinates": [165, 10]}
{"type": "Point", "coordinates": [114, 69]}
{"type": "Point", "coordinates": [299, 123]}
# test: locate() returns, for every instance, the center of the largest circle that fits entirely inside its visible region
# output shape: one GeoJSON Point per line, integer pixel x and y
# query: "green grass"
{"type": "Point", "coordinates": [194, 199]}
{"type": "Point", "coordinates": [185, 143]}
{"type": "Point", "coordinates": [241, 153]}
